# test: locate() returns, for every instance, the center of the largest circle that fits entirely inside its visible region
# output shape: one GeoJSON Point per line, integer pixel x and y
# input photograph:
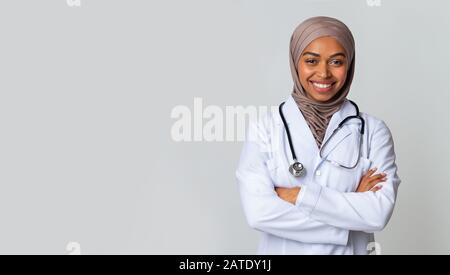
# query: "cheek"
{"type": "Point", "coordinates": [304, 73]}
{"type": "Point", "coordinates": [340, 74]}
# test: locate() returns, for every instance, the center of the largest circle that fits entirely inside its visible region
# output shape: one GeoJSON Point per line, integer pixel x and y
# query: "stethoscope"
{"type": "Point", "coordinates": [296, 168]}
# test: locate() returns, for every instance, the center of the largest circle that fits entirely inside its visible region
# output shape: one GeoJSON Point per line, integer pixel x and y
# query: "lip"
{"type": "Point", "coordinates": [323, 90]}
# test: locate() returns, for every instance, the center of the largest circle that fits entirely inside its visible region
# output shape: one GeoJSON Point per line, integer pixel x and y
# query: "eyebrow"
{"type": "Point", "coordinates": [317, 55]}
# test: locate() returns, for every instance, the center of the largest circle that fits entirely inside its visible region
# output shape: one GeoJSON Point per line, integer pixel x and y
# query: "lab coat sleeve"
{"type": "Point", "coordinates": [266, 212]}
{"type": "Point", "coordinates": [368, 211]}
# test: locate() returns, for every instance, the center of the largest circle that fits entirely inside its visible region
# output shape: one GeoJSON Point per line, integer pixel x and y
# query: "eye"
{"type": "Point", "coordinates": [336, 62]}
{"type": "Point", "coordinates": [311, 61]}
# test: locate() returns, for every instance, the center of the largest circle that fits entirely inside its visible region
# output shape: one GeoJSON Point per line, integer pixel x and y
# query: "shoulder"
{"type": "Point", "coordinates": [377, 129]}
{"type": "Point", "coordinates": [372, 120]}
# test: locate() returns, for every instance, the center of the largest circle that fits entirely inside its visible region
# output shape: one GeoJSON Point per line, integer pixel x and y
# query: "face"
{"type": "Point", "coordinates": [322, 68]}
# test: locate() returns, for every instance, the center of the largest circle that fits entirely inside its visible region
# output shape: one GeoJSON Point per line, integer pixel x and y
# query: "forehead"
{"type": "Point", "coordinates": [324, 45]}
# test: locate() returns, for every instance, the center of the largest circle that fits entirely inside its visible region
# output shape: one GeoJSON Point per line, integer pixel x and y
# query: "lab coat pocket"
{"type": "Point", "coordinates": [278, 173]}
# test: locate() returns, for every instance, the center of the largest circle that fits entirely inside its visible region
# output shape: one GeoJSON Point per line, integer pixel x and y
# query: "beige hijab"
{"type": "Point", "coordinates": [318, 114]}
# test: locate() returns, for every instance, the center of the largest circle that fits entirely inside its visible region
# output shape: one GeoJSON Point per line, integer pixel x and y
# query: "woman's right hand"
{"type": "Point", "coordinates": [368, 181]}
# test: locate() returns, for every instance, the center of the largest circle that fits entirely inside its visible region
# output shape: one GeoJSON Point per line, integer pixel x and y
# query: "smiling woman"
{"type": "Point", "coordinates": [332, 200]}
{"type": "Point", "coordinates": [323, 68]}
{"type": "Point", "coordinates": [322, 61]}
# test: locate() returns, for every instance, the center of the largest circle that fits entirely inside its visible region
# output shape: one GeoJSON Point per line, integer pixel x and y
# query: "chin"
{"type": "Point", "coordinates": [323, 97]}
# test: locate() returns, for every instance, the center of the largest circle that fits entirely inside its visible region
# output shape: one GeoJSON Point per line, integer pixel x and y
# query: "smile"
{"type": "Point", "coordinates": [322, 87]}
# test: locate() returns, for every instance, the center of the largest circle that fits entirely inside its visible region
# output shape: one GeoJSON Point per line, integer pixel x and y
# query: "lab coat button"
{"type": "Point", "coordinates": [318, 173]}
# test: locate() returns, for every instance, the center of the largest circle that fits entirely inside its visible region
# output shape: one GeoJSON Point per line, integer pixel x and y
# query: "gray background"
{"type": "Point", "coordinates": [86, 94]}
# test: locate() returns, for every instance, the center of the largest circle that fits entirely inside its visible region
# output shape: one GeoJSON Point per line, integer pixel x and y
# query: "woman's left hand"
{"type": "Point", "coordinates": [288, 194]}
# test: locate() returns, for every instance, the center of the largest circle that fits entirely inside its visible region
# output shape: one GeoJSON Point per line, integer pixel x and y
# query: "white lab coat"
{"type": "Point", "coordinates": [328, 216]}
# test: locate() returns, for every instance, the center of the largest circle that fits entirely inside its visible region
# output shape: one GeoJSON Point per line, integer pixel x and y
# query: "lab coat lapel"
{"type": "Point", "coordinates": [303, 140]}
{"type": "Point", "coordinates": [343, 133]}
{"type": "Point", "coordinates": [342, 136]}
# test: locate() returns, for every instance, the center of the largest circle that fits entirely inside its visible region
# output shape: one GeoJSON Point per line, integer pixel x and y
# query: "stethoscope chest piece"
{"type": "Point", "coordinates": [297, 169]}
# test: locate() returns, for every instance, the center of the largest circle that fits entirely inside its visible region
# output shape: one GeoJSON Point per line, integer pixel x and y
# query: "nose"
{"type": "Point", "coordinates": [323, 71]}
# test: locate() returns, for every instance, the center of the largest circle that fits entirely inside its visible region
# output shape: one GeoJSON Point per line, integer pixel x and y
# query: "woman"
{"type": "Point", "coordinates": [333, 198]}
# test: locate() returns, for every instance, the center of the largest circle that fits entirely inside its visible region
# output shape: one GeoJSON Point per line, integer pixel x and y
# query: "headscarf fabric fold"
{"type": "Point", "coordinates": [318, 114]}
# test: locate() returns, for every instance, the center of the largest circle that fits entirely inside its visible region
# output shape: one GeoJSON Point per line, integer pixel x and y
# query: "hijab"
{"type": "Point", "coordinates": [318, 114]}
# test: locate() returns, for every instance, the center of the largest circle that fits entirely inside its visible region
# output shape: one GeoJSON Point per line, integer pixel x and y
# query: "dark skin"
{"type": "Point", "coordinates": [323, 64]}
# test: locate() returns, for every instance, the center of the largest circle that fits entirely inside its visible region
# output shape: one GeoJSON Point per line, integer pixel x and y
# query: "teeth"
{"type": "Point", "coordinates": [321, 86]}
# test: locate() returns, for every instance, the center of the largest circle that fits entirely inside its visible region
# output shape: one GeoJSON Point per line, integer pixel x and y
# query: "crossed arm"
{"type": "Point", "coordinates": [368, 182]}
{"type": "Point", "coordinates": [320, 214]}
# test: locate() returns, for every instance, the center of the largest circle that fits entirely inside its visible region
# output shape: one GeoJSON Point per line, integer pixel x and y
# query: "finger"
{"type": "Point", "coordinates": [370, 172]}
{"type": "Point", "coordinates": [379, 181]}
{"type": "Point", "coordinates": [281, 190]}
{"type": "Point", "coordinates": [377, 177]}
{"type": "Point", "coordinates": [376, 188]}
{"type": "Point", "coordinates": [376, 181]}
{"type": "Point", "coordinates": [371, 185]}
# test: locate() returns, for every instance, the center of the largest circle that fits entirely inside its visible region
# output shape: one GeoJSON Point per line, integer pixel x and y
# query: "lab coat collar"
{"type": "Point", "coordinates": [302, 136]}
